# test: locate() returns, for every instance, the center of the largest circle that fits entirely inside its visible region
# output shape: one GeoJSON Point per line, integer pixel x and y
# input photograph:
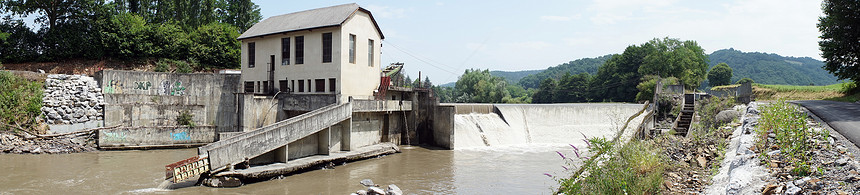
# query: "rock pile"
{"type": "Point", "coordinates": [72, 99]}
{"type": "Point", "coordinates": [373, 189]}
{"type": "Point", "coordinates": [16, 144]}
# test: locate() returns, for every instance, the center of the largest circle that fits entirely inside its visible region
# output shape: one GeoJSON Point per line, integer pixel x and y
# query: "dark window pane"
{"type": "Point", "coordinates": [300, 50]}
{"type": "Point", "coordinates": [285, 51]}
{"type": "Point", "coordinates": [319, 85]}
{"type": "Point", "coordinates": [326, 47]}
{"type": "Point", "coordinates": [251, 54]}
{"type": "Point", "coordinates": [249, 86]}
{"type": "Point", "coordinates": [331, 85]}
{"type": "Point", "coordinates": [352, 49]}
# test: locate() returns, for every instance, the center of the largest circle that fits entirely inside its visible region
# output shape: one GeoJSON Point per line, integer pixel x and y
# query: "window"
{"type": "Point", "coordinates": [301, 85]}
{"type": "Point", "coordinates": [265, 87]}
{"type": "Point", "coordinates": [319, 85]}
{"type": "Point", "coordinates": [292, 85]}
{"type": "Point", "coordinates": [249, 86]}
{"type": "Point", "coordinates": [300, 50]}
{"type": "Point", "coordinates": [285, 51]}
{"type": "Point", "coordinates": [370, 52]}
{"type": "Point", "coordinates": [283, 86]}
{"type": "Point", "coordinates": [251, 54]}
{"type": "Point", "coordinates": [326, 47]}
{"type": "Point", "coordinates": [257, 87]}
{"type": "Point", "coordinates": [352, 48]}
{"type": "Point", "coordinates": [309, 85]}
{"type": "Point", "coordinates": [331, 85]}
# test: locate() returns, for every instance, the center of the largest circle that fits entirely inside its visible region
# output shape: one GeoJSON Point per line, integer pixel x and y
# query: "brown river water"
{"type": "Point", "coordinates": [490, 170]}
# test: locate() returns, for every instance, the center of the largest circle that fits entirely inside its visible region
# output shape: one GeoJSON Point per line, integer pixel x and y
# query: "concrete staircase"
{"type": "Point", "coordinates": [685, 118]}
{"type": "Point", "coordinates": [279, 135]}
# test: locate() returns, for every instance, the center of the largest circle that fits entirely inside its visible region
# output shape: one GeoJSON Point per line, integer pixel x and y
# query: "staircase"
{"type": "Point", "coordinates": [685, 118]}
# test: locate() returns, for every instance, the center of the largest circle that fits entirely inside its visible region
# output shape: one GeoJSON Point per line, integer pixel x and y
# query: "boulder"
{"type": "Point", "coordinates": [394, 190]}
{"type": "Point", "coordinates": [222, 182]}
{"type": "Point", "coordinates": [375, 191]}
{"type": "Point", "coordinates": [727, 116]}
{"type": "Point", "coordinates": [367, 183]}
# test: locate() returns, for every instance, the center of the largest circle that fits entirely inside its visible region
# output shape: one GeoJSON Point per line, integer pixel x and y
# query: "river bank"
{"type": "Point", "coordinates": [24, 143]}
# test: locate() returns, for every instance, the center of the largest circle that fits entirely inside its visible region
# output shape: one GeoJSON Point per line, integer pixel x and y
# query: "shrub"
{"type": "Point", "coordinates": [792, 135]}
{"type": "Point", "coordinates": [709, 108]}
{"type": "Point", "coordinates": [162, 65]}
{"type": "Point", "coordinates": [20, 101]}
{"type": "Point", "coordinates": [637, 168]}
{"type": "Point", "coordinates": [185, 118]}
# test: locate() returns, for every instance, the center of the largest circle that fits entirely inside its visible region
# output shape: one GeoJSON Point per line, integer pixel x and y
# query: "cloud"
{"type": "Point", "coordinates": [386, 11]}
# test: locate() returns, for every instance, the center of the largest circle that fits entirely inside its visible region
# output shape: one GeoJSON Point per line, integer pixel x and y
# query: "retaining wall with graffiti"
{"type": "Point", "coordinates": [155, 137]}
{"type": "Point", "coordinates": [134, 98]}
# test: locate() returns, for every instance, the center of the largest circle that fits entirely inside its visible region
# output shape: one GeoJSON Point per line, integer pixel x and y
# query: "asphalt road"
{"type": "Point", "coordinates": [843, 117]}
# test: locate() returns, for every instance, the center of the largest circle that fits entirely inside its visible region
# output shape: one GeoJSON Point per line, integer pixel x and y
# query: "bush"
{"type": "Point", "coordinates": [637, 168]}
{"type": "Point", "coordinates": [20, 101]}
{"type": "Point", "coordinates": [709, 108]}
{"type": "Point", "coordinates": [215, 45]}
{"type": "Point", "coordinates": [162, 65]}
{"type": "Point", "coordinates": [185, 118]}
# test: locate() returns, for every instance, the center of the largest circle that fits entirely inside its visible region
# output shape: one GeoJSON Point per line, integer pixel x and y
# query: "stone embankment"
{"type": "Point", "coordinates": [28, 144]}
{"type": "Point", "coordinates": [71, 99]}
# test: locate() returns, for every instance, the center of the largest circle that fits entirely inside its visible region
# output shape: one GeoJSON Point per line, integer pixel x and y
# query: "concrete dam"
{"type": "Point", "coordinates": [482, 125]}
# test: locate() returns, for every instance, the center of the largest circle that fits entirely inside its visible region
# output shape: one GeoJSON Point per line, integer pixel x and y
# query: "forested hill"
{"type": "Point", "coordinates": [588, 65]}
{"type": "Point", "coordinates": [514, 76]}
{"type": "Point", "coordinates": [772, 68]}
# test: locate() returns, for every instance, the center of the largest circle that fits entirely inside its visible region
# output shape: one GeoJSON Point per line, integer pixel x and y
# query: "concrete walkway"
{"type": "Point", "coordinates": [843, 117]}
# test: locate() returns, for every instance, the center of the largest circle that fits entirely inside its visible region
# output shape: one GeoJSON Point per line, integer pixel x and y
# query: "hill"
{"type": "Point", "coordinates": [514, 76]}
{"type": "Point", "coordinates": [767, 68]}
{"type": "Point", "coordinates": [588, 65]}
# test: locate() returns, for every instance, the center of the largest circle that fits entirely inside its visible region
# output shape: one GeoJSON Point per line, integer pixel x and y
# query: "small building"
{"type": "Point", "coordinates": [326, 51]}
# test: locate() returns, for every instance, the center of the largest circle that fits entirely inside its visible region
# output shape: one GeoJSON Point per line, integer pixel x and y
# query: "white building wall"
{"type": "Point", "coordinates": [357, 80]}
{"type": "Point", "coordinates": [360, 79]}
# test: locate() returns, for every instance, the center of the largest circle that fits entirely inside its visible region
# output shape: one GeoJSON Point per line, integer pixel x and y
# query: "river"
{"type": "Point", "coordinates": [417, 170]}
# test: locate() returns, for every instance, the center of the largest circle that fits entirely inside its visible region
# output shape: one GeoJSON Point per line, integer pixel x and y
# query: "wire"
{"type": "Point", "coordinates": [419, 59]}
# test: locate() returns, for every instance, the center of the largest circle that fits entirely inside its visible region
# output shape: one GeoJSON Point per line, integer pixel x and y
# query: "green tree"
{"type": "Point", "coordinates": [481, 87]}
{"type": "Point", "coordinates": [215, 45]}
{"type": "Point", "coordinates": [572, 88]}
{"type": "Point", "coordinates": [240, 13]}
{"type": "Point", "coordinates": [840, 40]}
{"type": "Point", "coordinates": [126, 35]}
{"type": "Point", "coordinates": [721, 74]}
{"type": "Point", "coordinates": [546, 92]}
{"type": "Point", "coordinates": [674, 58]}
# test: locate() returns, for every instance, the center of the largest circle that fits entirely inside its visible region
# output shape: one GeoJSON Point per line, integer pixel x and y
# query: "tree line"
{"type": "Point", "coordinates": [202, 32]}
{"type": "Point", "coordinates": [626, 77]}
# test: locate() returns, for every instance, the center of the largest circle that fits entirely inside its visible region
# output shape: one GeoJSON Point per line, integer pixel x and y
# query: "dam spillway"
{"type": "Point", "coordinates": [483, 125]}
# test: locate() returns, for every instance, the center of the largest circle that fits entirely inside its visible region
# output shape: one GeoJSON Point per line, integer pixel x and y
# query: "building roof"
{"type": "Point", "coordinates": [306, 20]}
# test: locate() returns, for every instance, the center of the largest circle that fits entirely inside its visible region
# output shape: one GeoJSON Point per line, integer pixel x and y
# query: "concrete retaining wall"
{"type": "Point", "coordinates": [135, 98]}
{"type": "Point", "coordinates": [443, 126]}
{"type": "Point", "coordinates": [471, 108]}
{"type": "Point", "coordinates": [154, 137]}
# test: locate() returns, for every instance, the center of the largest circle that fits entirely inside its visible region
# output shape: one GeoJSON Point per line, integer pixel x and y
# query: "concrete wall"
{"type": "Point", "coordinates": [366, 129]}
{"type": "Point", "coordinates": [165, 136]}
{"type": "Point", "coordinates": [443, 126]}
{"type": "Point", "coordinates": [309, 102]}
{"type": "Point", "coordinates": [155, 99]}
{"type": "Point", "coordinates": [471, 108]}
{"type": "Point", "coordinates": [258, 111]}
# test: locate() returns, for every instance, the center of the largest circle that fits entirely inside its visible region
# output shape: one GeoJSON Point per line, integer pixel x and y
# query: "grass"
{"type": "Point", "coordinates": [835, 92]}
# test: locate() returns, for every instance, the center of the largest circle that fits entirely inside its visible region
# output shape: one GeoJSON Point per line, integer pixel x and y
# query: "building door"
{"type": "Point", "coordinates": [271, 74]}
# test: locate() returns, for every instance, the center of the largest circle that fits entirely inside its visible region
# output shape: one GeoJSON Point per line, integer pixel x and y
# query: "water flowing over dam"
{"type": "Point", "coordinates": [505, 125]}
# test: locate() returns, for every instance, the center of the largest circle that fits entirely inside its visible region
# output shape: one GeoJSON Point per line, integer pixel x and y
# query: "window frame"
{"type": "Point", "coordinates": [252, 54]}
{"type": "Point", "coordinates": [370, 48]}
{"type": "Point", "coordinates": [327, 47]}
{"type": "Point", "coordinates": [285, 51]}
{"type": "Point", "coordinates": [352, 44]}
{"type": "Point", "coordinates": [300, 49]}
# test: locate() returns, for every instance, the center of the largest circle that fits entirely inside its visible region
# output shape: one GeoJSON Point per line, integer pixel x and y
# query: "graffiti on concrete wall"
{"type": "Point", "coordinates": [114, 86]}
{"type": "Point", "coordinates": [181, 136]}
{"type": "Point", "coordinates": [115, 136]}
{"type": "Point", "coordinates": [174, 88]}
{"type": "Point", "coordinates": [142, 85]}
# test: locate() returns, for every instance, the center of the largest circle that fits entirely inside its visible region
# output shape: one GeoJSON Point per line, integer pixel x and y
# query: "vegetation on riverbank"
{"type": "Point", "coordinates": [20, 102]}
{"type": "Point", "coordinates": [846, 92]}
{"type": "Point", "coordinates": [664, 164]}
{"type": "Point", "coordinates": [783, 127]}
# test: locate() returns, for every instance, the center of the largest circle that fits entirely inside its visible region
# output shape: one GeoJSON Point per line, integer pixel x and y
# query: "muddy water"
{"type": "Point", "coordinates": [509, 170]}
